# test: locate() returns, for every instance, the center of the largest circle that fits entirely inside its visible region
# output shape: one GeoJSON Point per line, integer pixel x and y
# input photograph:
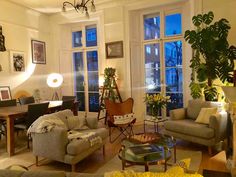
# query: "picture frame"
{"type": "Point", "coordinates": [38, 52]}
{"type": "Point", "coordinates": [114, 49]}
{"type": "Point", "coordinates": [17, 61]}
{"type": "Point", "coordinates": [5, 93]}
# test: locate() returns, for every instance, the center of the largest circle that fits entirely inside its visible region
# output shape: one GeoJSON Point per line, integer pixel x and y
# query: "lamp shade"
{"type": "Point", "coordinates": [54, 80]}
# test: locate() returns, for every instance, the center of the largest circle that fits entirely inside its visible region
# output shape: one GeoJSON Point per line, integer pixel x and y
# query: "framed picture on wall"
{"type": "Point", "coordinates": [17, 61]}
{"type": "Point", "coordinates": [38, 52]}
{"type": "Point", "coordinates": [114, 49]}
{"type": "Point", "coordinates": [5, 93]}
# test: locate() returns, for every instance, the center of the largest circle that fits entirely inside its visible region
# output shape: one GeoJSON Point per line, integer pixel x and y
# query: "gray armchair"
{"type": "Point", "coordinates": [56, 144]}
{"type": "Point", "coordinates": [182, 124]}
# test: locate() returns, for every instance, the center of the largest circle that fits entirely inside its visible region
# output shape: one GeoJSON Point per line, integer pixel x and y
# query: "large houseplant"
{"type": "Point", "coordinates": [212, 55]}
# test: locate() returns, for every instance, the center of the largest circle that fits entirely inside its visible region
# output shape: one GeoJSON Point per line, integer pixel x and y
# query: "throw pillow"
{"type": "Point", "coordinates": [123, 119]}
{"type": "Point", "coordinates": [63, 115]}
{"type": "Point", "coordinates": [92, 122]}
{"type": "Point", "coordinates": [76, 123]}
{"type": "Point", "coordinates": [204, 115]}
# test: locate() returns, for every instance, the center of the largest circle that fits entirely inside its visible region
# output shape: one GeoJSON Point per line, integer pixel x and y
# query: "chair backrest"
{"type": "Point", "coordinates": [26, 100]}
{"type": "Point", "coordinates": [67, 104]}
{"type": "Point", "coordinates": [65, 98]}
{"type": "Point", "coordinates": [114, 108]}
{"type": "Point", "coordinates": [7, 103]}
{"type": "Point", "coordinates": [35, 111]}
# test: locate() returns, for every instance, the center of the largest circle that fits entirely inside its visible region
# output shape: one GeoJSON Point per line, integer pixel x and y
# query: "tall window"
{"type": "Point", "coordinates": [162, 44]}
{"type": "Point", "coordinates": [85, 65]}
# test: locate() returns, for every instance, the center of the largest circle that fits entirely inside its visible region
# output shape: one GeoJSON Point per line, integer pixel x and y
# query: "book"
{"type": "Point", "coordinates": [144, 149]}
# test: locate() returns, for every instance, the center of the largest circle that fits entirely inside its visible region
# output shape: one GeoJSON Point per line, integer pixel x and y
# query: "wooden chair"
{"type": "Point", "coordinates": [34, 112]}
{"type": "Point", "coordinates": [119, 109]}
{"type": "Point", "coordinates": [65, 98]}
{"type": "Point", "coordinates": [26, 100]}
{"type": "Point", "coordinates": [67, 104]}
{"type": "Point", "coordinates": [5, 103]}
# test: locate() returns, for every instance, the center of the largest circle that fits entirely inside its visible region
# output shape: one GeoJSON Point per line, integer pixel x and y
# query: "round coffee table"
{"type": "Point", "coordinates": [147, 149]}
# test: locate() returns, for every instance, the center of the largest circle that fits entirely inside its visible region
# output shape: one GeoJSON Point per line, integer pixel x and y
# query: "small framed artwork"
{"type": "Point", "coordinates": [17, 61]}
{"type": "Point", "coordinates": [114, 49]}
{"type": "Point", "coordinates": [5, 93]}
{"type": "Point", "coordinates": [38, 52]}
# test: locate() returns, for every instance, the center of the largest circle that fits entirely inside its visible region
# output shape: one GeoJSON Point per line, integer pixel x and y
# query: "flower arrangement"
{"type": "Point", "coordinates": [156, 102]}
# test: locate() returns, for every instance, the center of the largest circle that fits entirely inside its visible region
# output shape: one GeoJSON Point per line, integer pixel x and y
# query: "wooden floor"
{"type": "Point", "coordinates": [215, 162]}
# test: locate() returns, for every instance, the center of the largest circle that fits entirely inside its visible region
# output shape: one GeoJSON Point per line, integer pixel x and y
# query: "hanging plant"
{"type": "Point", "coordinates": [213, 57]}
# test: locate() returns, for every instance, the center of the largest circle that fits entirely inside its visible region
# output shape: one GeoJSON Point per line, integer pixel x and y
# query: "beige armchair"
{"type": "Point", "coordinates": [182, 124]}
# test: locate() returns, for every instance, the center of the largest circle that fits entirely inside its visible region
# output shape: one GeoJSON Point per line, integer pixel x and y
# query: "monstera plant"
{"type": "Point", "coordinates": [213, 57]}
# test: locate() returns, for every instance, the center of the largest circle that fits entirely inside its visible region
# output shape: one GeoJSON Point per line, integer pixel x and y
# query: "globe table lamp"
{"type": "Point", "coordinates": [54, 81]}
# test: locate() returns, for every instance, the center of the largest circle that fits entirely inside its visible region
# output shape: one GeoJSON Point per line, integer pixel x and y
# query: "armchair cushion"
{"type": "Point", "coordinates": [205, 114]}
{"type": "Point", "coordinates": [178, 114]}
{"type": "Point", "coordinates": [190, 127]}
{"type": "Point", "coordinates": [123, 119]}
{"type": "Point", "coordinates": [92, 122]}
{"type": "Point", "coordinates": [194, 107]}
{"type": "Point", "coordinates": [76, 123]}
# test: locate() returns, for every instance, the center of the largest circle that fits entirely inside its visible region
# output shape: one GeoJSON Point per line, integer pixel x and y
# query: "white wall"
{"type": "Point", "coordinates": [20, 25]}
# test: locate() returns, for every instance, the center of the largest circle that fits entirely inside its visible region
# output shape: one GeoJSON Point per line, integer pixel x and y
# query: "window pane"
{"type": "Point", "coordinates": [91, 36]}
{"type": "Point", "coordinates": [78, 71]}
{"type": "Point", "coordinates": [173, 54]}
{"type": "Point", "coordinates": [93, 102]}
{"type": "Point", "coordinates": [173, 24]}
{"type": "Point", "coordinates": [77, 39]}
{"type": "Point", "coordinates": [151, 26]}
{"type": "Point", "coordinates": [81, 99]}
{"type": "Point", "coordinates": [152, 56]}
{"type": "Point", "coordinates": [174, 79]}
{"type": "Point", "coordinates": [93, 81]}
{"type": "Point", "coordinates": [153, 83]}
{"type": "Point", "coordinates": [92, 61]}
{"type": "Point", "coordinates": [176, 101]}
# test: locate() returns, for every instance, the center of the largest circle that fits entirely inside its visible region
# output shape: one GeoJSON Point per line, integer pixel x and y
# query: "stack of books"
{"type": "Point", "coordinates": [144, 150]}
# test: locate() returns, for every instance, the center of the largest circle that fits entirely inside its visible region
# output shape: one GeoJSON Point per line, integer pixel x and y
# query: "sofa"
{"type": "Point", "coordinates": [183, 125]}
{"type": "Point", "coordinates": [63, 137]}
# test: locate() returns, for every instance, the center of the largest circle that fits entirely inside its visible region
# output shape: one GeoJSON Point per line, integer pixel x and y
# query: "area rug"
{"type": "Point", "coordinates": [195, 156]}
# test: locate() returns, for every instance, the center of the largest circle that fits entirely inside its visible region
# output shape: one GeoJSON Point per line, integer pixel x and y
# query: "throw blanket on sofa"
{"type": "Point", "coordinates": [45, 124]}
{"type": "Point", "coordinates": [92, 137]}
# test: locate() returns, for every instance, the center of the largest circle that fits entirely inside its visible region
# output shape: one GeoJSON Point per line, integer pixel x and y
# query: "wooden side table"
{"type": "Point", "coordinates": [155, 122]}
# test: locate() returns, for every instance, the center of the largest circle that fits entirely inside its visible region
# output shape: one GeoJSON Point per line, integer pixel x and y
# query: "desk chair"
{"type": "Point", "coordinates": [34, 112]}
{"type": "Point", "coordinates": [5, 103]}
{"type": "Point", "coordinates": [67, 104]}
{"type": "Point", "coordinates": [65, 98]}
{"type": "Point", "coordinates": [26, 100]}
{"type": "Point", "coordinates": [120, 109]}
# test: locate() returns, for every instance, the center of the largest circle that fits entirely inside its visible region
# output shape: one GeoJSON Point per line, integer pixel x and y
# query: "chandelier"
{"type": "Point", "coordinates": [80, 6]}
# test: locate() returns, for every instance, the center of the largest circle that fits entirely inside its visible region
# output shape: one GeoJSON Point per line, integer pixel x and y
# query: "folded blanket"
{"type": "Point", "coordinates": [92, 137]}
{"type": "Point", "coordinates": [45, 124]}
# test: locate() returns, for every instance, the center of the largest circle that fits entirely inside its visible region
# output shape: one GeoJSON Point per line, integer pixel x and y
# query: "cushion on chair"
{"type": "Point", "coordinates": [63, 115]}
{"type": "Point", "coordinates": [194, 107]}
{"type": "Point", "coordinates": [92, 122]}
{"type": "Point", "coordinates": [205, 115]}
{"type": "Point", "coordinates": [72, 147]}
{"type": "Point", "coordinates": [123, 119]}
{"type": "Point", "coordinates": [76, 123]}
{"type": "Point", "coordinates": [190, 127]}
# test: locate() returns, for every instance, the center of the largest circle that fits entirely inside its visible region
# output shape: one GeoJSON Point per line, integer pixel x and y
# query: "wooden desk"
{"type": "Point", "coordinates": [13, 112]}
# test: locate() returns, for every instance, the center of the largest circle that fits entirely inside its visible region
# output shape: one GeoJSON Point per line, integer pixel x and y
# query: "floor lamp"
{"type": "Point", "coordinates": [54, 81]}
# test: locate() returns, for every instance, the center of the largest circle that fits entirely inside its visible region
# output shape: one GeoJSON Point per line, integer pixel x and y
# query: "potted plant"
{"type": "Point", "coordinates": [156, 102]}
{"type": "Point", "coordinates": [213, 57]}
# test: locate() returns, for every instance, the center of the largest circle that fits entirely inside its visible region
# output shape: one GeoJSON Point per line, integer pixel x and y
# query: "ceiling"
{"type": "Point", "coordinates": [46, 6]}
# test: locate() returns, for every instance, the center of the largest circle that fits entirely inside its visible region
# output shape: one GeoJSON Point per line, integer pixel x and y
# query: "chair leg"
{"type": "Point", "coordinates": [73, 167]}
{"type": "Point", "coordinates": [36, 160]}
{"type": "Point", "coordinates": [210, 150]}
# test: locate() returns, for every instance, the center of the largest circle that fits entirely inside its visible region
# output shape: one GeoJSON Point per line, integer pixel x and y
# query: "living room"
{"type": "Point", "coordinates": [79, 48]}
